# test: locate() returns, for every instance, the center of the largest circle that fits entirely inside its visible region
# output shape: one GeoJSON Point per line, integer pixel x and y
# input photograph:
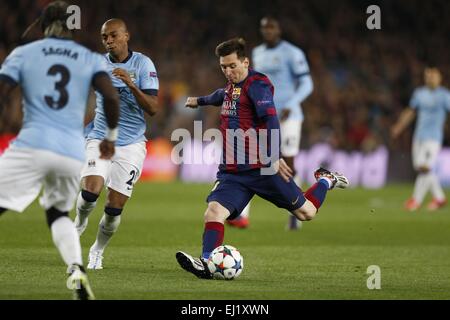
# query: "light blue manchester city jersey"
{"type": "Point", "coordinates": [284, 64]}
{"type": "Point", "coordinates": [432, 107]}
{"type": "Point", "coordinates": [55, 76]}
{"type": "Point", "coordinates": [132, 123]}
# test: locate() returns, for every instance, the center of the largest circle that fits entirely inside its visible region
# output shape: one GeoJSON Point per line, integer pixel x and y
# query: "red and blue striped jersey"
{"type": "Point", "coordinates": [246, 109]}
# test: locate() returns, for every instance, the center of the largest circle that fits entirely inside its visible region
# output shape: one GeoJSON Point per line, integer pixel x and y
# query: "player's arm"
{"type": "Point", "coordinates": [262, 97]}
{"type": "Point", "coordinates": [405, 119]}
{"type": "Point", "coordinates": [145, 98]}
{"type": "Point", "coordinates": [103, 85]}
{"type": "Point", "coordinates": [214, 99]}
{"type": "Point", "coordinates": [146, 101]}
{"type": "Point", "coordinates": [407, 115]}
{"type": "Point", "coordinates": [7, 84]}
{"type": "Point", "coordinates": [10, 75]}
{"type": "Point", "coordinates": [300, 69]}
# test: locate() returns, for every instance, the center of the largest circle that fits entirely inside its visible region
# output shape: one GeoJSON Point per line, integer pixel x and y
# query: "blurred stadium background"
{"type": "Point", "coordinates": [362, 79]}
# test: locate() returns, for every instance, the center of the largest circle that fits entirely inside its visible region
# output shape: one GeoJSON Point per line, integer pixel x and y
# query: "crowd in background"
{"type": "Point", "coordinates": [362, 78]}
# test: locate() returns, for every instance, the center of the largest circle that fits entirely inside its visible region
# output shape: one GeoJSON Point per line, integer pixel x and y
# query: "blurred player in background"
{"type": "Point", "coordinates": [247, 104]}
{"type": "Point", "coordinates": [134, 76]}
{"type": "Point", "coordinates": [55, 75]}
{"type": "Point", "coordinates": [430, 104]}
{"type": "Point", "coordinates": [287, 68]}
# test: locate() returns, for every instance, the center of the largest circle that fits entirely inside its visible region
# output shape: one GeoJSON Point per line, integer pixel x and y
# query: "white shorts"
{"type": "Point", "coordinates": [24, 171]}
{"type": "Point", "coordinates": [122, 171]}
{"type": "Point", "coordinates": [291, 132]}
{"type": "Point", "coordinates": [425, 153]}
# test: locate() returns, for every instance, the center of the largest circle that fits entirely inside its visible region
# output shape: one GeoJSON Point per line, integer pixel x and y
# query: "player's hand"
{"type": "Point", "coordinates": [284, 114]}
{"type": "Point", "coordinates": [283, 169]}
{"type": "Point", "coordinates": [123, 75]}
{"type": "Point", "coordinates": [191, 102]}
{"type": "Point", "coordinates": [107, 149]}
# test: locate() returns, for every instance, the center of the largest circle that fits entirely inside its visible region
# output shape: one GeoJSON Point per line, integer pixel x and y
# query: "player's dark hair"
{"type": "Point", "coordinates": [52, 20]}
{"type": "Point", "coordinates": [431, 65]}
{"type": "Point", "coordinates": [54, 12]}
{"type": "Point", "coordinates": [231, 46]}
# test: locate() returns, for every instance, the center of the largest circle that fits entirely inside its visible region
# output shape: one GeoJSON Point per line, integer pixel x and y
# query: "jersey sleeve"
{"type": "Point", "coordinates": [414, 101]}
{"type": "Point", "coordinates": [214, 99]}
{"type": "Point", "coordinates": [298, 64]}
{"type": "Point", "coordinates": [261, 94]}
{"type": "Point", "coordinates": [98, 64]}
{"type": "Point", "coordinates": [148, 77]}
{"type": "Point", "coordinates": [12, 66]}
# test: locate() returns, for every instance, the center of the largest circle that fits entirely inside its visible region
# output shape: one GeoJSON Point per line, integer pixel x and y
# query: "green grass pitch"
{"type": "Point", "coordinates": [326, 259]}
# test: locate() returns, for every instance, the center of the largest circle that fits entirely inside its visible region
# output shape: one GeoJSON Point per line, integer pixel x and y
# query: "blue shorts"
{"type": "Point", "coordinates": [235, 190]}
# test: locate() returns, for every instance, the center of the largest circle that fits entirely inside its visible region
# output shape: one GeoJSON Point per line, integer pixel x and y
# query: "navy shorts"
{"type": "Point", "coordinates": [235, 190]}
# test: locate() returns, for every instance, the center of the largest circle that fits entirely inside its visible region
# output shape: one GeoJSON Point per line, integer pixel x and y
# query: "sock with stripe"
{"type": "Point", "coordinates": [317, 192]}
{"type": "Point", "coordinates": [212, 237]}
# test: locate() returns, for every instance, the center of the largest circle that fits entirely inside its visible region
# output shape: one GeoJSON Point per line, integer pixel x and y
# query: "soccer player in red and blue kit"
{"type": "Point", "coordinates": [247, 106]}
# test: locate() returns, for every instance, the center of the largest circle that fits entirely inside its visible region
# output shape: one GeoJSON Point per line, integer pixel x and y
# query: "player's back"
{"type": "Point", "coordinates": [55, 76]}
{"type": "Point", "coordinates": [432, 106]}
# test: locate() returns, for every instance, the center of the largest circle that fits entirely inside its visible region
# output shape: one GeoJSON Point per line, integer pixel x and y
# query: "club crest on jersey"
{"type": "Point", "coordinates": [236, 93]}
{"type": "Point", "coordinates": [132, 75]}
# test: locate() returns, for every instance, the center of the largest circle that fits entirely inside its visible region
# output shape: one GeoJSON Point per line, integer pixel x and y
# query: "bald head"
{"type": "Point", "coordinates": [115, 38]}
{"type": "Point", "coordinates": [115, 23]}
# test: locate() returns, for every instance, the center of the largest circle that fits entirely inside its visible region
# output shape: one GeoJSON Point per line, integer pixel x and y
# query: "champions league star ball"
{"type": "Point", "coordinates": [225, 262]}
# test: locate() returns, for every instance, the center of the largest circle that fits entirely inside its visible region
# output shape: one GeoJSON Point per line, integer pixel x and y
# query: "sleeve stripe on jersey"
{"type": "Point", "coordinates": [150, 92]}
{"type": "Point", "coordinates": [8, 79]}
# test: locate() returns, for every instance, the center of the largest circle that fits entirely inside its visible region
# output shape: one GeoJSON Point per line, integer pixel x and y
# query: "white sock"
{"type": "Point", "coordinates": [65, 238]}
{"type": "Point", "coordinates": [246, 212]}
{"type": "Point", "coordinates": [436, 188]}
{"type": "Point", "coordinates": [107, 227]}
{"type": "Point", "coordinates": [423, 183]}
{"type": "Point", "coordinates": [84, 209]}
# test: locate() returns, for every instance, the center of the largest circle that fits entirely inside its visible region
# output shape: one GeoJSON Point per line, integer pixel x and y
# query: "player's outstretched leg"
{"type": "Point", "coordinates": [213, 235]}
{"type": "Point", "coordinates": [293, 223]}
{"type": "Point", "coordinates": [67, 242]}
{"type": "Point", "coordinates": [86, 202]}
{"type": "Point", "coordinates": [107, 227]}
{"type": "Point", "coordinates": [316, 194]}
{"type": "Point", "coordinates": [79, 283]}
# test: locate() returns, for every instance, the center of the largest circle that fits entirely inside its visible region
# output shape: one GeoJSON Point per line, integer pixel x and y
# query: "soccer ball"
{"type": "Point", "coordinates": [225, 262]}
